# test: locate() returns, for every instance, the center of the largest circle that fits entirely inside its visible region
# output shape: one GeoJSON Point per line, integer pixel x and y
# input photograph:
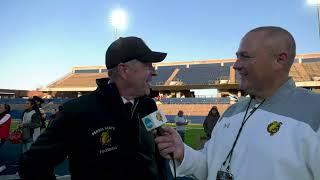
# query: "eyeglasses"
{"type": "Point", "coordinates": [243, 56]}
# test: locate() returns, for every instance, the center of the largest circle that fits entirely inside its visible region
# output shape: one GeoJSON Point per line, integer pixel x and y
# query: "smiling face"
{"type": "Point", "coordinates": [139, 76]}
{"type": "Point", "coordinates": [254, 63]}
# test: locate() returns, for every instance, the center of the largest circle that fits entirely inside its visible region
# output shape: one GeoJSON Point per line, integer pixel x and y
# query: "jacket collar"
{"type": "Point", "coordinates": [282, 93]}
{"type": "Point", "coordinates": [110, 90]}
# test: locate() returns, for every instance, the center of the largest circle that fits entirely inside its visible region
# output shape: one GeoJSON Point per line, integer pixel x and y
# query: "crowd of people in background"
{"type": "Point", "coordinates": [32, 123]}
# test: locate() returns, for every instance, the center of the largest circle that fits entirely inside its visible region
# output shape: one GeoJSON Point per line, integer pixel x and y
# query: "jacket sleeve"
{"type": "Point", "coordinates": [194, 164]}
{"type": "Point", "coordinates": [47, 151]}
{"type": "Point", "coordinates": [312, 153]}
{"type": "Point", "coordinates": [4, 119]}
{"type": "Point", "coordinates": [35, 122]}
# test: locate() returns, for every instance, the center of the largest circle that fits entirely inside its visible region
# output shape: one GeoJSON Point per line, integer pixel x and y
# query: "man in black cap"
{"type": "Point", "coordinates": [101, 133]}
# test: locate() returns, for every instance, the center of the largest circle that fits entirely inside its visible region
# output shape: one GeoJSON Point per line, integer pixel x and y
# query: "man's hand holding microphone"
{"type": "Point", "coordinates": [170, 142]}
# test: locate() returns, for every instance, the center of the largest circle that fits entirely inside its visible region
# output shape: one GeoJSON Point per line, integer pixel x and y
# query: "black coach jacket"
{"type": "Point", "coordinates": [100, 139]}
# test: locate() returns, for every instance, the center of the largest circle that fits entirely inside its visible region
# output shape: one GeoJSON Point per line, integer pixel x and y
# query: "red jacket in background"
{"type": "Point", "coordinates": [5, 122]}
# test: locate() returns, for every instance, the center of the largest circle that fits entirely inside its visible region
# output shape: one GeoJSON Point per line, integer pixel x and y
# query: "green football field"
{"type": "Point", "coordinates": [194, 136]}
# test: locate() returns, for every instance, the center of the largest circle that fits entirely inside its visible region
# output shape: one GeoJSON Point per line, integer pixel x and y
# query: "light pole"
{"type": "Point", "coordinates": [118, 20]}
{"type": "Point", "coordinates": [318, 9]}
{"type": "Point", "coordinates": [317, 4]}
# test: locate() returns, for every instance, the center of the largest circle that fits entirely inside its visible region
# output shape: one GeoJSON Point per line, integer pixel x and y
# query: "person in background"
{"type": "Point", "coordinates": [40, 102]}
{"type": "Point", "coordinates": [181, 123]}
{"type": "Point", "coordinates": [31, 123]}
{"type": "Point", "coordinates": [5, 122]}
{"type": "Point", "coordinates": [211, 121]}
{"type": "Point", "coordinates": [272, 134]}
{"type": "Point", "coordinates": [55, 113]}
{"type": "Point", "coordinates": [101, 132]}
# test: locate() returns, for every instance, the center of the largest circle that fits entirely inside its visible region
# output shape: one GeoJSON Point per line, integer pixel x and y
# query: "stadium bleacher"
{"type": "Point", "coordinates": [13, 101]}
{"type": "Point", "coordinates": [228, 64]}
{"type": "Point", "coordinates": [202, 73]}
{"type": "Point", "coordinates": [79, 80]}
{"type": "Point", "coordinates": [24, 101]}
{"type": "Point", "coordinates": [189, 73]}
{"type": "Point", "coordinates": [313, 69]}
{"type": "Point", "coordinates": [210, 73]}
{"type": "Point", "coordinates": [18, 105]}
{"type": "Point", "coordinates": [163, 73]}
{"type": "Point", "coordinates": [310, 60]}
{"type": "Point", "coordinates": [223, 100]}
{"type": "Point", "coordinates": [86, 71]}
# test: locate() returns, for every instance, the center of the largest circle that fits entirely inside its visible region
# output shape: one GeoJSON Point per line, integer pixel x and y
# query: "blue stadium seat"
{"type": "Point", "coordinates": [310, 60]}
{"type": "Point", "coordinates": [163, 73]}
{"type": "Point", "coordinates": [203, 74]}
{"type": "Point", "coordinates": [222, 100]}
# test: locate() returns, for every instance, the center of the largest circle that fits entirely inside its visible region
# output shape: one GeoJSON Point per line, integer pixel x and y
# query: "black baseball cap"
{"type": "Point", "coordinates": [126, 49]}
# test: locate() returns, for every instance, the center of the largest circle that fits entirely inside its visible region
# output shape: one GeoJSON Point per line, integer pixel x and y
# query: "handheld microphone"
{"type": "Point", "coordinates": [154, 121]}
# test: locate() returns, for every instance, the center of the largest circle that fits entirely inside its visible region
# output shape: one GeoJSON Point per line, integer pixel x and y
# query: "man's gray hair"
{"type": "Point", "coordinates": [113, 73]}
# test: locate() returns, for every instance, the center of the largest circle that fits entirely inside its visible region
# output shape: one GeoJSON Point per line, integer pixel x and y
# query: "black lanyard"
{"type": "Point", "coordinates": [245, 119]}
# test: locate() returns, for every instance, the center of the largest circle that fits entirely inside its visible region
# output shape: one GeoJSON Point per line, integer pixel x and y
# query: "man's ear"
{"type": "Point", "coordinates": [281, 60]}
{"type": "Point", "coordinates": [123, 70]}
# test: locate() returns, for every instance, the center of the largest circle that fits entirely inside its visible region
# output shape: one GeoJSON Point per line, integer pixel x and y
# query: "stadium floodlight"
{"type": "Point", "coordinates": [317, 4]}
{"type": "Point", "coordinates": [118, 20]}
{"type": "Point", "coordinates": [313, 2]}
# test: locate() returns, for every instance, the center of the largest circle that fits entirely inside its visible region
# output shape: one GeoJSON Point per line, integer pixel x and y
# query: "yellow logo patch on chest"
{"type": "Point", "coordinates": [274, 127]}
{"type": "Point", "coordinates": [105, 138]}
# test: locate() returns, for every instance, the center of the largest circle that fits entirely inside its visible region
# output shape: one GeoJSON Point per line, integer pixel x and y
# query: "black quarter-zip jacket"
{"type": "Point", "coordinates": [100, 139]}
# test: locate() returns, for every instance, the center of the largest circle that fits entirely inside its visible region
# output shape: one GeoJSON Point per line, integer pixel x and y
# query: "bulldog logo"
{"type": "Point", "coordinates": [159, 117]}
{"type": "Point", "coordinates": [274, 127]}
{"type": "Point", "coordinates": [105, 138]}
